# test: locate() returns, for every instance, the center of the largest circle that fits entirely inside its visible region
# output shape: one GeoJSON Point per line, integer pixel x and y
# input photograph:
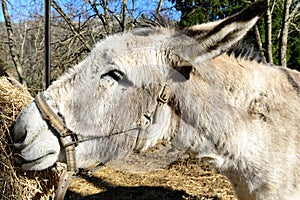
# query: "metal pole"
{"type": "Point", "coordinates": [47, 43]}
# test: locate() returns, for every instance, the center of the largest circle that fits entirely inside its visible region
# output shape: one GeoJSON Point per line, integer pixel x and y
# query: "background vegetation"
{"type": "Point", "coordinates": [77, 25]}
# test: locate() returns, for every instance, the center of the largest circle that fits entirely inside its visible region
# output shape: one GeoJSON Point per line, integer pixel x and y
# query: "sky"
{"type": "Point", "coordinates": [20, 9]}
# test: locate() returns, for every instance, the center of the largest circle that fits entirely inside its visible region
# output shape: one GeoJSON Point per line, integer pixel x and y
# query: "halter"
{"type": "Point", "coordinates": [63, 133]}
{"type": "Point", "coordinates": [145, 120]}
{"type": "Point", "coordinates": [69, 140]}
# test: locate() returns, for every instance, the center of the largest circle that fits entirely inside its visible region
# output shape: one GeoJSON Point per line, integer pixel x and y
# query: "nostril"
{"type": "Point", "coordinates": [19, 136]}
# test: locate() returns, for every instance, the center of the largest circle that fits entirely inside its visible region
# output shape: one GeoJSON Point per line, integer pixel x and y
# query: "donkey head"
{"type": "Point", "coordinates": [129, 92]}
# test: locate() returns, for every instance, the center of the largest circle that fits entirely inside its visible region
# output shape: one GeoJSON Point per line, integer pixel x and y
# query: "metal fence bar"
{"type": "Point", "coordinates": [47, 43]}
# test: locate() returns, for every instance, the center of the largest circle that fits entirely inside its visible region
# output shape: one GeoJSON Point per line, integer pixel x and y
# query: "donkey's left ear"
{"type": "Point", "coordinates": [217, 37]}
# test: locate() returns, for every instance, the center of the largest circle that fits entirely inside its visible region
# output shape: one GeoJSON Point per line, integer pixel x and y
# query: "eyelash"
{"type": "Point", "coordinates": [115, 74]}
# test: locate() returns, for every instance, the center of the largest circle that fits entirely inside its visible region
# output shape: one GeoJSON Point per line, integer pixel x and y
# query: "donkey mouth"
{"type": "Point", "coordinates": [28, 164]}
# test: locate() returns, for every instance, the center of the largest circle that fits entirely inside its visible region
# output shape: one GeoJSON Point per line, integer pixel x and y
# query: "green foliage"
{"type": "Point", "coordinates": [200, 11]}
{"type": "Point", "coordinates": [293, 52]}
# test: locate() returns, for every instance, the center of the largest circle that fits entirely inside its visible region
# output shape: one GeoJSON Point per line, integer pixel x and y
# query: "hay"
{"type": "Point", "coordinates": [14, 182]}
{"type": "Point", "coordinates": [185, 179]}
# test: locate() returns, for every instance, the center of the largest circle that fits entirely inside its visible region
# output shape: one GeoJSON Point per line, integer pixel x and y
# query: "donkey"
{"type": "Point", "coordinates": [149, 85]}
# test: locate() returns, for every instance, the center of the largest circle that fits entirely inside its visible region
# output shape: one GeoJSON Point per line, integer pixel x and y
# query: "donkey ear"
{"type": "Point", "coordinates": [217, 37]}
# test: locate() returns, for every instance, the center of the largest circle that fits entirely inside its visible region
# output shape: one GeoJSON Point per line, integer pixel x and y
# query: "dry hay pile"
{"type": "Point", "coordinates": [185, 179]}
{"type": "Point", "coordinates": [15, 183]}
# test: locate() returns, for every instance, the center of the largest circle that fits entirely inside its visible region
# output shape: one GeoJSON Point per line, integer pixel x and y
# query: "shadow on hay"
{"type": "Point", "coordinates": [133, 192]}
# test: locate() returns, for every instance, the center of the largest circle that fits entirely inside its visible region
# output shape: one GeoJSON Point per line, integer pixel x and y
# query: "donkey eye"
{"type": "Point", "coordinates": [115, 74]}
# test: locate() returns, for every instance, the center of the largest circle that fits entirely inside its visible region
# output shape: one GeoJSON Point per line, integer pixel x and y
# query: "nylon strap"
{"type": "Point", "coordinates": [64, 182]}
{"type": "Point", "coordinates": [63, 132]}
{"type": "Point", "coordinates": [162, 99]}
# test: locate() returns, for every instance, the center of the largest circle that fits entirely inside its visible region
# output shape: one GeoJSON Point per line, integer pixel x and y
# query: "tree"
{"type": "Point", "coordinates": [268, 33]}
{"type": "Point", "coordinates": [286, 21]}
{"type": "Point", "coordinates": [12, 43]}
{"type": "Point", "coordinates": [124, 15]}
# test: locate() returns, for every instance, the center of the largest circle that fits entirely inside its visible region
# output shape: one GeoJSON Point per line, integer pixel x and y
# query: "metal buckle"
{"type": "Point", "coordinates": [74, 137]}
{"type": "Point", "coordinates": [164, 95]}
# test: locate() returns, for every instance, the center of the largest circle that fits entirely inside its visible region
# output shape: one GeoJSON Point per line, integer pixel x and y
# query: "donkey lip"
{"type": "Point", "coordinates": [19, 159]}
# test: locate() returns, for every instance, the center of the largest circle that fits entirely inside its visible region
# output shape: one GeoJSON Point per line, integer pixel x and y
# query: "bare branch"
{"type": "Point", "coordinates": [294, 12]}
{"type": "Point", "coordinates": [100, 16]}
{"type": "Point", "coordinates": [273, 6]}
{"type": "Point", "coordinates": [296, 27]}
{"type": "Point", "coordinates": [259, 44]}
{"type": "Point", "coordinates": [73, 28]}
{"type": "Point", "coordinates": [158, 9]}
